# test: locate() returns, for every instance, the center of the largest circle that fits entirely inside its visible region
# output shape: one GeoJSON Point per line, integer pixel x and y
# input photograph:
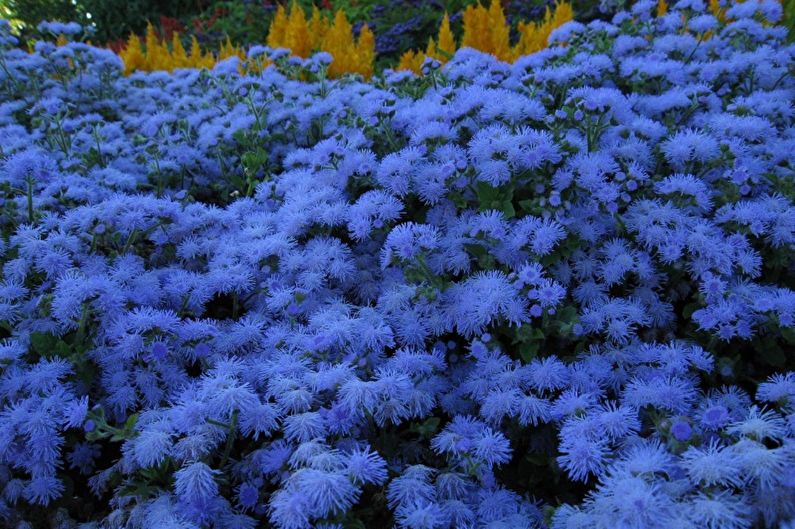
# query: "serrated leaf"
{"type": "Point", "coordinates": [131, 420]}
{"type": "Point", "coordinates": [426, 428]}
{"type": "Point", "coordinates": [690, 308]}
{"type": "Point", "coordinates": [773, 355]}
{"type": "Point", "coordinates": [526, 205]}
{"type": "Point", "coordinates": [43, 344]}
{"type": "Point", "coordinates": [507, 209]}
{"type": "Point", "coordinates": [788, 333]}
{"type": "Point", "coordinates": [486, 193]}
{"type": "Point", "coordinates": [529, 350]}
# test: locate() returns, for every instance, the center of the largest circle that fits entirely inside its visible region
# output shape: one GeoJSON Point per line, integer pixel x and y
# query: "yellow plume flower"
{"type": "Point", "coordinates": [276, 32]}
{"type": "Point", "coordinates": [228, 49]}
{"type": "Point", "coordinates": [717, 11]}
{"type": "Point", "coordinates": [199, 59]}
{"type": "Point", "coordinates": [411, 60]}
{"type": "Point", "coordinates": [486, 30]}
{"type": "Point", "coordinates": [296, 34]}
{"type": "Point", "coordinates": [499, 32]}
{"type": "Point", "coordinates": [446, 40]}
{"type": "Point", "coordinates": [564, 12]}
{"type": "Point", "coordinates": [365, 52]}
{"type": "Point", "coordinates": [318, 26]}
{"type": "Point", "coordinates": [178, 54]}
{"type": "Point", "coordinates": [430, 50]}
{"type": "Point", "coordinates": [662, 8]}
{"type": "Point", "coordinates": [476, 28]}
{"type": "Point", "coordinates": [158, 56]}
{"type": "Point", "coordinates": [534, 36]}
{"type": "Point", "coordinates": [338, 41]}
{"type": "Point", "coordinates": [132, 55]}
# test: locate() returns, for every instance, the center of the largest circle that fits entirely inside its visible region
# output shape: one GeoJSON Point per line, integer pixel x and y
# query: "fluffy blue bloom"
{"type": "Point", "coordinates": [485, 297]}
{"type": "Point", "coordinates": [151, 447]}
{"type": "Point", "coordinates": [712, 465]}
{"type": "Point", "coordinates": [365, 466]}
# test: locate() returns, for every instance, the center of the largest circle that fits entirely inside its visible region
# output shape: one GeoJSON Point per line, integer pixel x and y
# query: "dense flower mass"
{"type": "Point", "coordinates": [556, 293]}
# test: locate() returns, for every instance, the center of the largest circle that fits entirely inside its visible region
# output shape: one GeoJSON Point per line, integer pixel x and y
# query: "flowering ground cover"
{"type": "Point", "coordinates": [556, 293]}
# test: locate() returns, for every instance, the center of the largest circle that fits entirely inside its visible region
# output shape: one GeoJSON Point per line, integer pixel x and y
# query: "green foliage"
{"type": "Point", "coordinates": [400, 26]}
{"type": "Point", "coordinates": [29, 13]}
{"type": "Point", "coordinates": [116, 20]}
{"type": "Point", "coordinates": [242, 22]}
{"type": "Point", "coordinates": [112, 21]}
{"type": "Point", "coordinates": [789, 17]}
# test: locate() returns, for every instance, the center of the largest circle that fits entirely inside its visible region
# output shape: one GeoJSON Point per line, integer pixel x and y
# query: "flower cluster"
{"type": "Point", "coordinates": [553, 293]}
{"type": "Point", "coordinates": [486, 29]}
{"type": "Point", "coordinates": [155, 54]}
{"type": "Point", "coordinates": [303, 37]}
{"type": "Point", "coordinates": [289, 30]}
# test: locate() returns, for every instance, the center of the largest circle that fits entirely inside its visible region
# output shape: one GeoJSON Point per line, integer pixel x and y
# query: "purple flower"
{"type": "Point", "coordinates": [681, 431]}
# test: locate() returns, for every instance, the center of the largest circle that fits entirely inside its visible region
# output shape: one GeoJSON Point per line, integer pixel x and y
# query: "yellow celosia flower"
{"type": "Point", "coordinates": [411, 60]}
{"type": "Point", "coordinates": [499, 33]}
{"type": "Point", "coordinates": [318, 26]}
{"type": "Point", "coordinates": [277, 30]}
{"type": "Point", "coordinates": [534, 36]}
{"type": "Point", "coordinates": [179, 57]}
{"type": "Point", "coordinates": [717, 11]}
{"type": "Point", "coordinates": [228, 50]}
{"type": "Point", "coordinates": [338, 41]}
{"type": "Point", "coordinates": [445, 41]}
{"type": "Point", "coordinates": [132, 55]}
{"type": "Point", "coordinates": [365, 52]}
{"type": "Point", "coordinates": [476, 28]}
{"type": "Point", "coordinates": [662, 8]}
{"type": "Point", "coordinates": [199, 59]}
{"type": "Point", "coordinates": [296, 34]}
{"type": "Point", "coordinates": [430, 49]}
{"type": "Point", "coordinates": [563, 13]}
{"type": "Point", "coordinates": [152, 49]}
{"type": "Point", "coordinates": [486, 30]}
{"type": "Point", "coordinates": [292, 30]}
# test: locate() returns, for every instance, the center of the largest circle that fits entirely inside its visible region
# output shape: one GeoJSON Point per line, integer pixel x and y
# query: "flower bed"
{"type": "Point", "coordinates": [553, 293]}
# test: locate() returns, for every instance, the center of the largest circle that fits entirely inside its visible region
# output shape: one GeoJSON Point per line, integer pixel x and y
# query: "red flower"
{"type": "Point", "coordinates": [117, 45]}
{"type": "Point", "coordinates": [169, 26]}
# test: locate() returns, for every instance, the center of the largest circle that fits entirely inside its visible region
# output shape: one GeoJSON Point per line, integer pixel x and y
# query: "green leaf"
{"type": "Point", "coordinates": [507, 209]}
{"type": "Point", "coordinates": [526, 205]}
{"type": "Point", "coordinates": [789, 334]}
{"type": "Point", "coordinates": [131, 420]}
{"type": "Point", "coordinates": [772, 354]}
{"type": "Point", "coordinates": [690, 308]}
{"type": "Point", "coordinates": [62, 349]}
{"type": "Point", "coordinates": [353, 523]}
{"type": "Point", "coordinates": [43, 344]}
{"type": "Point", "coordinates": [487, 194]}
{"type": "Point", "coordinates": [94, 435]}
{"type": "Point", "coordinates": [427, 428]}
{"type": "Point", "coordinates": [567, 314]}
{"type": "Point", "coordinates": [476, 250]}
{"type": "Point", "coordinates": [529, 350]}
